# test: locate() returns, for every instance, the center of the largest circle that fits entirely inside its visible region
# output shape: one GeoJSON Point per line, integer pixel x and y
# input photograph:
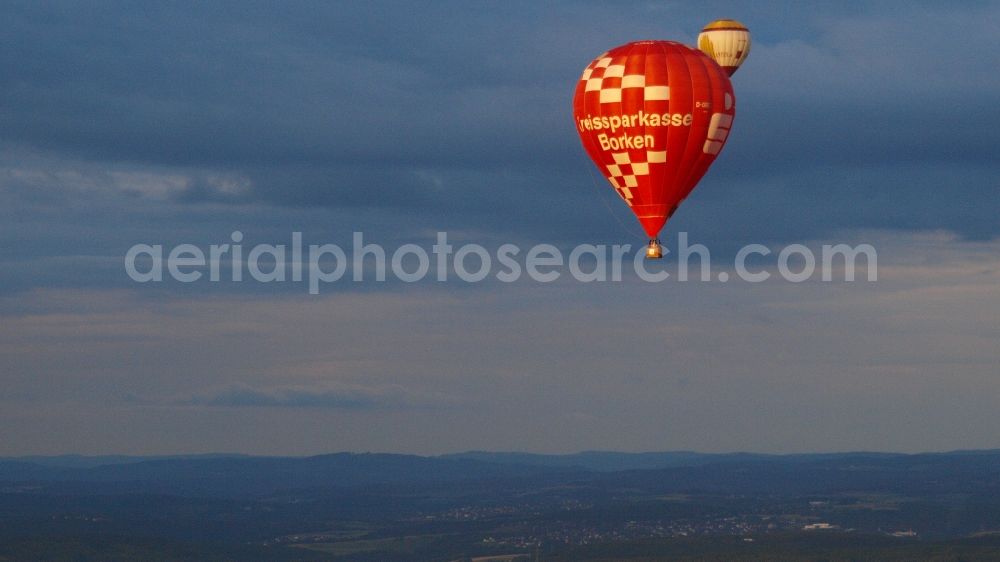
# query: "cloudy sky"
{"type": "Point", "coordinates": [181, 123]}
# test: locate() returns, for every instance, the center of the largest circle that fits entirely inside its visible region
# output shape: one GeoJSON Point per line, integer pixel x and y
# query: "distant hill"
{"type": "Point", "coordinates": [604, 461]}
{"type": "Point", "coordinates": [212, 475]}
{"type": "Point", "coordinates": [610, 461]}
{"type": "Point", "coordinates": [234, 475]}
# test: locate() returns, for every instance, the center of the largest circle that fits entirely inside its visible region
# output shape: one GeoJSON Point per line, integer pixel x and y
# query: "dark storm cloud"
{"type": "Point", "coordinates": [233, 86]}
{"type": "Point", "coordinates": [447, 115]}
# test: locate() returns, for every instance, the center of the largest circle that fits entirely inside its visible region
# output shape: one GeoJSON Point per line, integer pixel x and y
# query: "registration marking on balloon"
{"type": "Point", "coordinates": [648, 115]}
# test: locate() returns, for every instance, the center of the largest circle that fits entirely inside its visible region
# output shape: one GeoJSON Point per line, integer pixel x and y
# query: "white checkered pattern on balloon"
{"type": "Point", "coordinates": [623, 173]}
{"type": "Point", "coordinates": [610, 79]}
{"type": "Point", "coordinates": [606, 75]}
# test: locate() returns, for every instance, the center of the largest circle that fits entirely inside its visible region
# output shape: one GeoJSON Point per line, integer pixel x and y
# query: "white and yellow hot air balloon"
{"type": "Point", "coordinates": [727, 42]}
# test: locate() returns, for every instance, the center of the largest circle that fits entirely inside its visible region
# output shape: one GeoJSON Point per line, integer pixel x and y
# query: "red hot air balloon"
{"type": "Point", "coordinates": [653, 115]}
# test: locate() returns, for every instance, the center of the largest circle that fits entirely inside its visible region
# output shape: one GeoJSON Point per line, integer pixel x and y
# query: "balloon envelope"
{"type": "Point", "coordinates": [653, 115]}
{"type": "Point", "coordinates": [727, 42]}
